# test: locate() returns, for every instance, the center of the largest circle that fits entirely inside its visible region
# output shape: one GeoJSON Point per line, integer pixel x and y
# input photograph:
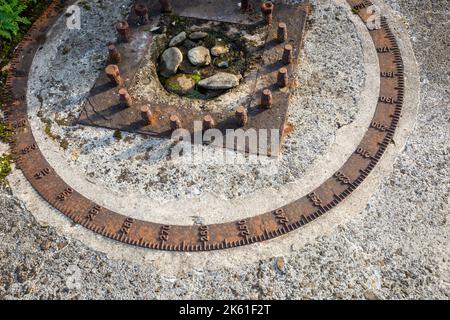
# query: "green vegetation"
{"type": "Point", "coordinates": [173, 84]}
{"type": "Point", "coordinates": [5, 168]}
{"type": "Point", "coordinates": [63, 143]}
{"type": "Point", "coordinates": [6, 132]}
{"type": "Point", "coordinates": [196, 77]}
{"type": "Point", "coordinates": [16, 17]}
{"type": "Point", "coordinates": [11, 19]}
{"type": "Point", "coordinates": [67, 121]}
{"type": "Point", "coordinates": [117, 135]}
{"type": "Point", "coordinates": [85, 5]}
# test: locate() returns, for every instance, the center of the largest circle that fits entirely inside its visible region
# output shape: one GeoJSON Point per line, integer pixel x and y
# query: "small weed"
{"type": "Point", "coordinates": [85, 5]}
{"type": "Point", "coordinates": [5, 168]}
{"type": "Point", "coordinates": [63, 143]}
{"type": "Point", "coordinates": [117, 135]}
{"type": "Point", "coordinates": [6, 132]}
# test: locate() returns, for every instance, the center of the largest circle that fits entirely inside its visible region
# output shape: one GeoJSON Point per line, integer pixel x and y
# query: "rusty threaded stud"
{"type": "Point", "coordinates": [141, 11]}
{"type": "Point", "coordinates": [245, 5]}
{"type": "Point", "coordinates": [282, 32]}
{"type": "Point", "coordinates": [175, 123]}
{"type": "Point", "coordinates": [283, 78]}
{"type": "Point", "coordinates": [123, 29]}
{"type": "Point", "coordinates": [267, 10]}
{"type": "Point", "coordinates": [125, 98]}
{"type": "Point", "coordinates": [208, 122]}
{"type": "Point", "coordinates": [241, 115]}
{"type": "Point", "coordinates": [166, 5]}
{"type": "Point", "coordinates": [287, 54]}
{"type": "Point", "coordinates": [114, 54]}
{"type": "Point", "coordinates": [113, 73]}
{"type": "Point", "coordinates": [267, 99]}
{"type": "Point", "coordinates": [146, 115]}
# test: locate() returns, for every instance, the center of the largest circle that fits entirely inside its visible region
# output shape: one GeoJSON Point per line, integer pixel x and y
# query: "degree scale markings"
{"type": "Point", "coordinates": [262, 227]}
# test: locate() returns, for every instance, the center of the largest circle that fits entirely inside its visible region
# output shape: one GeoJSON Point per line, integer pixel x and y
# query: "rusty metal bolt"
{"type": "Point", "coordinates": [141, 11]}
{"type": "Point", "coordinates": [146, 115]}
{"type": "Point", "coordinates": [282, 32]}
{"type": "Point", "coordinates": [123, 29]}
{"type": "Point", "coordinates": [267, 10]}
{"type": "Point", "coordinates": [287, 54]}
{"type": "Point", "coordinates": [208, 122]}
{"type": "Point", "coordinates": [125, 98]}
{"type": "Point", "coordinates": [283, 78]}
{"type": "Point", "coordinates": [113, 73]}
{"type": "Point", "coordinates": [166, 5]}
{"type": "Point", "coordinates": [241, 116]}
{"type": "Point", "coordinates": [245, 5]}
{"type": "Point", "coordinates": [267, 99]}
{"type": "Point", "coordinates": [114, 54]}
{"type": "Point", "coordinates": [175, 123]}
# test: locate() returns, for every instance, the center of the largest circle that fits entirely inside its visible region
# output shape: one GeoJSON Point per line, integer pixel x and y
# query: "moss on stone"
{"type": "Point", "coordinates": [174, 83]}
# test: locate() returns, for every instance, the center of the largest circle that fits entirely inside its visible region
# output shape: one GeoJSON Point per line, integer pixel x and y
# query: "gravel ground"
{"type": "Point", "coordinates": [396, 248]}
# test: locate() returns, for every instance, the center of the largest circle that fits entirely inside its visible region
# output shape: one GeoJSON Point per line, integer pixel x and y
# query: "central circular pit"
{"type": "Point", "coordinates": [202, 60]}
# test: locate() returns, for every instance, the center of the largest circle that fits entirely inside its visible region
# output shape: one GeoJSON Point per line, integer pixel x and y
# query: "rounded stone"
{"type": "Point", "coordinates": [170, 61]}
{"type": "Point", "coordinates": [179, 38]}
{"type": "Point", "coordinates": [219, 50]}
{"type": "Point", "coordinates": [220, 81]}
{"type": "Point", "coordinates": [199, 56]}
{"type": "Point", "coordinates": [198, 35]}
{"type": "Point", "coordinates": [223, 64]}
{"type": "Point", "coordinates": [181, 84]}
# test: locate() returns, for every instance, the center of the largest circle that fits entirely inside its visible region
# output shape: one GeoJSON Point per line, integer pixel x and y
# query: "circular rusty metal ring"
{"type": "Point", "coordinates": [207, 237]}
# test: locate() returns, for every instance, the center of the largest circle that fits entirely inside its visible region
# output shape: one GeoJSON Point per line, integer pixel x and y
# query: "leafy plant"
{"type": "Point", "coordinates": [10, 18]}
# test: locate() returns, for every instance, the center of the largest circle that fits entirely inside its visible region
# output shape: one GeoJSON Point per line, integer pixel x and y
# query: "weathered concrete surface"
{"type": "Point", "coordinates": [396, 248]}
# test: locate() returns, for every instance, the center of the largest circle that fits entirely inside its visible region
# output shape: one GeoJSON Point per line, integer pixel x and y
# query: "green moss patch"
{"type": "Point", "coordinates": [117, 135]}
{"type": "Point", "coordinates": [5, 167]}
{"type": "Point", "coordinates": [6, 132]}
{"type": "Point", "coordinates": [63, 142]}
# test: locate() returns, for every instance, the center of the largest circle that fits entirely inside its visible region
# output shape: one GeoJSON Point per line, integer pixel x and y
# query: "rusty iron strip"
{"type": "Point", "coordinates": [207, 237]}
